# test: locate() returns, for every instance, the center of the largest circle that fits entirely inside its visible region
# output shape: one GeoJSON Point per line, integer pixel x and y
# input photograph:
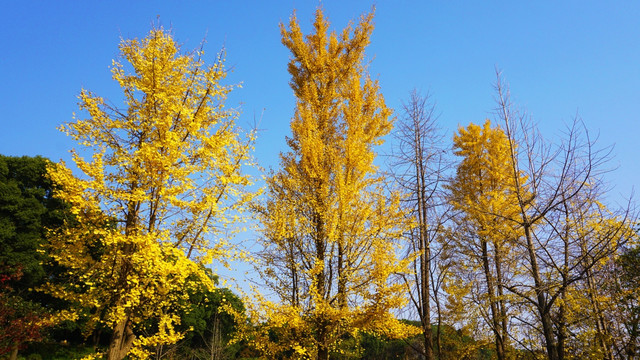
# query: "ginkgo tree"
{"type": "Point", "coordinates": [533, 221]}
{"type": "Point", "coordinates": [330, 228]}
{"type": "Point", "coordinates": [483, 190]}
{"type": "Point", "coordinates": [161, 183]}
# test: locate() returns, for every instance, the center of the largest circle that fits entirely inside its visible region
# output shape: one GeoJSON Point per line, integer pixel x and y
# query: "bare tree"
{"type": "Point", "coordinates": [567, 231]}
{"type": "Point", "coordinates": [419, 162]}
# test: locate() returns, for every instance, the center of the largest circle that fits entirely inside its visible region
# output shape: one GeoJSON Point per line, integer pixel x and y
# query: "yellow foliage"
{"type": "Point", "coordinates": [484, 186]}
{"type": "Point", "coordinates": [484, 193]}
{"type": "Point", "coordinates": [330, 225]}
{"type": "Point", "coordinates": [161, 186]}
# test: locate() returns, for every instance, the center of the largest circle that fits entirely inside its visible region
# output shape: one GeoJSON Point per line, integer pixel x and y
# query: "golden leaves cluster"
{"type": "Point", "coordinates": [330, 224]}
{"type": "Point", "coordinates": [159, 194]}
{"type": "Point", "coordinates": [484, 186]}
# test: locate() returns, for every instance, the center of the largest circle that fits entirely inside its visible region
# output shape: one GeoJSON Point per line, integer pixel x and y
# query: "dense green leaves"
{"type": "Point", "coordinates": [27, 210]}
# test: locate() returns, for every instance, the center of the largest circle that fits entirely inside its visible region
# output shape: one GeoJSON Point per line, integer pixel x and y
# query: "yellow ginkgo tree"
{"type": "Point", "coordinates": [330, 227]}
{"type": "Point", "coordinates": [483, 191]}
{"type": "Point", "coordinates": [161, 184]}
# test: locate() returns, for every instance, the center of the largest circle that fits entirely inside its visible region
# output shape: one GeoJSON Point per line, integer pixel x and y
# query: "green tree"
{"type": "Point", "coordinates": [212, 319]}
{"type": "Point", "coordinates": [624, 284]}
{"type": "Point", "coordinates": [27, 210]}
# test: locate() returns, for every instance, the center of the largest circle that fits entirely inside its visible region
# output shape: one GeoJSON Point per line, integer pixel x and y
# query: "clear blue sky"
{"type": "Point", "coordinates": [559, 58]}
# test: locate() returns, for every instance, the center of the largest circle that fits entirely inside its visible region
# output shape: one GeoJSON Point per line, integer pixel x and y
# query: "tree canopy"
{"type": "Point", "coordinates": [160, 187]}
{"type": "Point", "coordinates": [330, 226]}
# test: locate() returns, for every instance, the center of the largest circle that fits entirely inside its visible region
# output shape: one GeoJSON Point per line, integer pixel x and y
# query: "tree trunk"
{"type": "Point", "coordinates": [425, 250]}
{"type": "Point", "coordinates": [426, 306]}
{"type": "Point", "coordinates": [495, 322]}
{"type": "Point", "coordinates": [502, 307]}
{"type": "Point", "coordinates": [561, 324]}
{"type": "Point", "coordinates": [295, 298]}
{"type": "Point", "coordinates": [425, 275]}
{"type": "Point", "coordinates": [426, 320]}
{"type": "Point", "coordinates": [121, 341]}
{"type": "Point", "coordinates": [342, 277]}
{"type": "Point", "coordinates": [562, 314]}
{"type": "Point", "coordinates": [122, 338]}
{"type": "Point", "coordinates": [323, 349]}
{"type": "Point", "coordinates": [321, 291]}
{"type": "Point", "coordinates": [541, 304]}
{"type": "Point", "coordinates": [633, 336]}
{"type": "Point", "coordinates": [323, 353]}
{"type": "Point", "coordinates": [439, 332]}
{"type": "Point", "coordinates": [14, 352]}
{"type": "Point", "coordinates": [603, 335]}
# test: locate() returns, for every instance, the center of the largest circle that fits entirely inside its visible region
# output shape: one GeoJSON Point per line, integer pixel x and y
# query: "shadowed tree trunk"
{"type": "Point", "coordinates": [121, 341]}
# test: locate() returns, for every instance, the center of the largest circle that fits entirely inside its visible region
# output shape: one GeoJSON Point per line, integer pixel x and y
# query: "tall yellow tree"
{"type": "Point", "coordinates": [483, 190]}
{"type": "Point", "coordinates": [330, 228]}
{"type": "Point", "coordinates": [161, 185]}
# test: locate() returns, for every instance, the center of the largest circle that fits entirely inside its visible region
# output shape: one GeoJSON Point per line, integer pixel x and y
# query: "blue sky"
{"type": "Point", "coordinates": [559, 58]}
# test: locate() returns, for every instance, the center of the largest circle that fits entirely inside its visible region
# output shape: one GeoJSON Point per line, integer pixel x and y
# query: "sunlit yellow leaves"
{"type": "Point", "coordinates": [161, 189]}
{"type": "Point", "coordinates": [484, 185]}
{"type": "Point", "coordinates": [330, 225]}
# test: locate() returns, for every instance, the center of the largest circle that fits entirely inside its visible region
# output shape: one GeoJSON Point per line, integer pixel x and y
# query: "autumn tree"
{"type": "Point", "coordinates": [418, 164]}
{"type": "Point", "coordinates": [160, 184]}
{"type": "Point", "coordinates": [483, 193]}
{"type": "Point", "coordinates": [330, 230]}
{"type": "Point", "coordinates": [565, 231]}
{"type": "Point", "coordinates": [533, 221]}
{"type": "Point", "coordinates": [21, 321]}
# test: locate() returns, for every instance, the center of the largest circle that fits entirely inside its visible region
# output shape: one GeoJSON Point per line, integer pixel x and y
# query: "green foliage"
{"type": "Point", "coordinates": [27, 209]}
{"type": "Point", "coordinates": [212, 316]}
{"type": "Point", "coordinates": [629, 263]}
{"type": "Point", "coordinates": [627, 291]}
{"type": "Point", "coordinates": [455, 344]}
{"type": "Point", "coordinates": [379, 348]}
